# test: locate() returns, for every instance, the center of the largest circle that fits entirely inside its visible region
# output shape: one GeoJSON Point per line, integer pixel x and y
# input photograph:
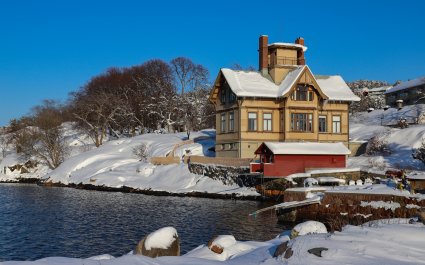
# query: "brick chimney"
{"type": "Point", "coordinates": [300, 53]}
{"type": "Point", "coordinates": [263, 53]}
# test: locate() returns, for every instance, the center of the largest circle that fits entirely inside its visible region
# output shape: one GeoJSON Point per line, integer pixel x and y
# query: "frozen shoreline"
{"type": "Point", "coordinates": [389, 241]}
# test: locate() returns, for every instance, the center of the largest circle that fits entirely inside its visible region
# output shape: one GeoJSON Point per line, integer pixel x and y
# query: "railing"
{"type": "Point", "coordinates": [283, 60]}
{"type": "Point", "coordinates": [168, 160]}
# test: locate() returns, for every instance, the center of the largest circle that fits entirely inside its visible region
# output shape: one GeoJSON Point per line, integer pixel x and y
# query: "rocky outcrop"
{"type": "Point", "coordinates": [227, 175]}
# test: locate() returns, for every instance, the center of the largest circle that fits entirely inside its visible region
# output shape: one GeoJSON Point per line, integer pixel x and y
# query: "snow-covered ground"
{"type": "Point", "coordinates": [114, 164]}
{"type": "Point", "coordinates": [401, 142]}
{"type": "Point", "coordinates": [390, 242]}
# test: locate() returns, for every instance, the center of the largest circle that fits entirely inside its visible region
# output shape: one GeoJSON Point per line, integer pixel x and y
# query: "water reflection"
{"type": "Point", "coordinates": [38, 222]}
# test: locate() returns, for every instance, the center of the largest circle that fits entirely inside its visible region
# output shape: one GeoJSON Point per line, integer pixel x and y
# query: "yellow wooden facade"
{"type": "Point", "coordinates": [239, 141]}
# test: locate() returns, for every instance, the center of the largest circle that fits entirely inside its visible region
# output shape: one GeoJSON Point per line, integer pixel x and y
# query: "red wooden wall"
{"type": "Point", "coordinates": [285, 165]}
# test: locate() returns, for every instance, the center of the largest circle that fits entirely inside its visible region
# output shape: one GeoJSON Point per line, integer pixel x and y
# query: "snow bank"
{"type": "Point", "coordinates": [161, 238]}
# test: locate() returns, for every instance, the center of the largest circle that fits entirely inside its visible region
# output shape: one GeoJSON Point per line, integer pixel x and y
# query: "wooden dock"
{"type": "Point", "coordinates": [288, 205]}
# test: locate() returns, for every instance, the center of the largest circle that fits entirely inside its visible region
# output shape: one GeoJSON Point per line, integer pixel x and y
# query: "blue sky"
{"type": "Point", "coordinates": [49, 48]}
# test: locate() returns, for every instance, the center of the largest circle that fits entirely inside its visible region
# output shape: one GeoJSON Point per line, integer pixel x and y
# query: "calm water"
{"type": "Point", "coordinates": [37, 222]}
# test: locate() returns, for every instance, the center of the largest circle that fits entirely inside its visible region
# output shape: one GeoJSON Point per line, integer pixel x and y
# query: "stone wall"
{"type": "Point", "coordinates": [227, 175]}
{"type": "Point", "coordinates": [346, 208]}
{"type": "Point", "coordinates": [357, 148]}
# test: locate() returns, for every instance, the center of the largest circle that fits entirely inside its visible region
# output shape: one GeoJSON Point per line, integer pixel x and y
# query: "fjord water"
{"type": "Point", "coordinates": [38, 222]}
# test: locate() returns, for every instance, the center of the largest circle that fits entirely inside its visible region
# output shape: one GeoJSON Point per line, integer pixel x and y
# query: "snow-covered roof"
{"type": "Point", "coordinates": [379, 89]}
{"type": "Point", "coordinates": [254, 84]}
{"type": "Point", "coordinates": [336, 88]}
{"type": "Point", "coordinates": [405, 85]}
{"type": "Point", "coordinates": [417, 176]}
{"type": "Point", "coordinates": [290, 45]}
{"type": "Point", "coordinates": [249, 84]}
{"type": "Point", "coordinates": [307, 148]}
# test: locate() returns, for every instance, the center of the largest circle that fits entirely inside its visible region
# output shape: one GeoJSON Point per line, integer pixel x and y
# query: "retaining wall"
{"type": "Point", "coordinates": [338, 207]}
{"type": "Point", "coordinates": [228, 175]}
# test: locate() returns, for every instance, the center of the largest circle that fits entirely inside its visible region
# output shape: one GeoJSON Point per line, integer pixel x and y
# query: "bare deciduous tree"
{"type": "Point", "coordinates": [188, 74]}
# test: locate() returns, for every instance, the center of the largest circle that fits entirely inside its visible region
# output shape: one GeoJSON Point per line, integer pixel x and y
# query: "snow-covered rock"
{"type": "Point", "coordinates": [219, 243]}
{"type": "Point", "coordinates": [162, 242]}
{"type": "Point", "coordinates": [309, 227]}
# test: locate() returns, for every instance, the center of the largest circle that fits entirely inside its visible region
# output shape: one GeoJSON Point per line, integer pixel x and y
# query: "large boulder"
{"type": "Point", "coordinates": [309, 227]}
{"type": "Point", "coordinates": [162, 242]}
{"type": "Point", "coordinates": [218, 243]}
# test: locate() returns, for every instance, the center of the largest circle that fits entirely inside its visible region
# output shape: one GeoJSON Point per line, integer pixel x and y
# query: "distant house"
{"type": "Point", "coordinates": [376, 91]}
{"type": "Point", "coordinates": [409, 93]}
{"type": "Point", "coordinates": [282, 102]}
{"type": "Point", "coordinates": [283, 159]}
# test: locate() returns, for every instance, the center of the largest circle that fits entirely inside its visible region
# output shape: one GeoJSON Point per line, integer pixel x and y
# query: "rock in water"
{"type": "Point", "coordinates": [162, 242]}
{"type": "Point", "coordinates": [309, 227]}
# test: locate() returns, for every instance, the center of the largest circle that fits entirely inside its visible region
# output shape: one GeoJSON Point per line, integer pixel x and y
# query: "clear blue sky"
{"type": "Point", "coordinates": [49, 48]}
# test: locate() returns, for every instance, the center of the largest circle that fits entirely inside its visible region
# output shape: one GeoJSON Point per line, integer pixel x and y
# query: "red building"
{"type": "Point", "coordinates": [281, 159]}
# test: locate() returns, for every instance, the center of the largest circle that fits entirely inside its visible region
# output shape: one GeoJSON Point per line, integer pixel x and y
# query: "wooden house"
{"type": "Point", "coordinates": [408, 93]}
{"type": "Point", "coordinates": [281, 102]}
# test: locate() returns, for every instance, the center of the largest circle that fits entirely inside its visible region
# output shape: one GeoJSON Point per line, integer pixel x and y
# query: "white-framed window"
{"type": "Point", "coordinates": [322, 124]}
{"type": "Point", "coordinates": [223, 122]}
{"type": "Point", "coordinates": [267, 121]}
{"type": "Point", "coordinates": [231, 121]}
{"type": "Point", "coordinates": [336, 124]}
{"type": "Point", "coordinates": [252, 121]}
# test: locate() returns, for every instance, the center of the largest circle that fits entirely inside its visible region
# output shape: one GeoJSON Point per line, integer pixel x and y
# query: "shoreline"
{"type": "Point", "coordinates": [126, 189]}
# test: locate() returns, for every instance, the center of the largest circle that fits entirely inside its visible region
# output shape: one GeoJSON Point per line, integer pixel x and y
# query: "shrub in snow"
{"type": "Point", "coordinates": [378, 144]}
{"type": "Point", "coordinates": [142, 152]}
{"type": "Point", "coordinates": [309, 227]}
{"type": "Point", "coordinates": [377, 162]}
{"type": "Point", "coordinates": [162, 242]}
{"type": "Point", "coordinates": [419, 153]}
{"type": "Point", "coordinates": [402, 123]}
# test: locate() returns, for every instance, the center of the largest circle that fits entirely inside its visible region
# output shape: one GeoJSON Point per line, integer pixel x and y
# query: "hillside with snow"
{"type": "Point", "coordinates": [401, 142]}
{"type": "Point", "coordinates": [115, 165]}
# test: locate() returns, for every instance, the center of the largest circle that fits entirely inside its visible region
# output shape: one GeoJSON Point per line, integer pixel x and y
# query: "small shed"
{"type": "Point", "coordinates": [281, 159]}
{"type": "Point", "coordinates": [417, 182]}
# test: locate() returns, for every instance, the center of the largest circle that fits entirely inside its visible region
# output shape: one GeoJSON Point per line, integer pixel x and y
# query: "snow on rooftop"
{"type": "Point", "coordinates": [249, 84]}
{"type": "Point", "coordinates": [379, 89]}
{"type": "Point", "coordinates": [254, 84]}
{"type": "Point", "coordinates": [336, 88]}
{"type": "Point", "coordinates": [417, 176]}
{"type": "Point", "coordinates": [290, 80]}
{"type": "Point", "coordinates": [291, 45]}
{"type": "Point", "coordinates": [307, 148]}
{"type": "Point", "coordinates": [409, 84]}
